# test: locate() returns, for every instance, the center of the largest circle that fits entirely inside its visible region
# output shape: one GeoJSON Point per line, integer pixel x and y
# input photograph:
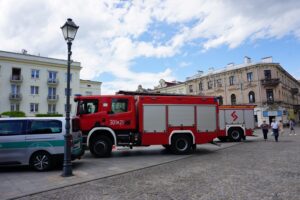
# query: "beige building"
{"type": "Point", "coordinates": [88, 87]}
{"type": "Point", "coordinates": [36, 84]}
{"type": "Point", "coordinates": [173, 87]}
{"type": "Point", "coordinates": [265, 84]}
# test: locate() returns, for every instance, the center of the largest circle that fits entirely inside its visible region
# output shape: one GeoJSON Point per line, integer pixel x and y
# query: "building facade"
{"type": "Point", "coordinates": [88, 87]}
{"type": "Point", "coordinates": [36, 85]}
{"type": "Point", "coordinates": [265, 84]}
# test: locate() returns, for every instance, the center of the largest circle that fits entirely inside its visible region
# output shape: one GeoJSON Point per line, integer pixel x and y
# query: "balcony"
{"type": "Point", "coordinates": [52, 97]}
{"type": "Point", "coordinates": [270, 82]}
{"type": "Point", "coordinates": [16, 79]}
{"type": "Point", "coordinates": [270, 102]}
{"type": "Point", "coordinates": [294, 91]}
{"type": "Point", "coordinates": [15, 96]}
{"type": "Point", "coordinates": [52, 81]}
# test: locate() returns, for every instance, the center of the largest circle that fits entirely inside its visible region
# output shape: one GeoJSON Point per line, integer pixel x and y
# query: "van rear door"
{"type": "Point", "coordinates": [12, 141]}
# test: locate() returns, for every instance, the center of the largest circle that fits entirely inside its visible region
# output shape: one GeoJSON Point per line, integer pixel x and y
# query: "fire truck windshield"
{"type": "Point", "coordinates": [87, 107]}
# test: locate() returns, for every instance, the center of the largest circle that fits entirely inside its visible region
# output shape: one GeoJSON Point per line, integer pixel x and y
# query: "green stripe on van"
{"type": "Point", "coordinates": [31, 144]}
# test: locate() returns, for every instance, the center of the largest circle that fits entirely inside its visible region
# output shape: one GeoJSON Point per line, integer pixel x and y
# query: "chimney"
{"type": "Point", "coordinates": [247, 60]}
{"type": "Point", "coordinates": [268, 59]}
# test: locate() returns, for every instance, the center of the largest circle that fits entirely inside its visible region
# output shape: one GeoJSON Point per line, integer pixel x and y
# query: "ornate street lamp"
{"type": "Point", "coordinates": [69, 30]}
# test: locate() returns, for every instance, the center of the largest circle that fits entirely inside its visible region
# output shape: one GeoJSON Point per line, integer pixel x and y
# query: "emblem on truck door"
{"type": "Point", "coordinates": [234, 115]}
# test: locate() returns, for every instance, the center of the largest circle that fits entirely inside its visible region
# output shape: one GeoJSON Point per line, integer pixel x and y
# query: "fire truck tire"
{"type": "Point", "coordinates": [101, 146]}
{"type": "Point", "coordinates": [235, 134]}
{"type": "Point", "coordinates": [181, 144]}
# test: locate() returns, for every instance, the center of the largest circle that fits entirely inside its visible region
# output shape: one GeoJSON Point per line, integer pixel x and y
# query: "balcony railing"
{"type": "Point", "coordinates": [270, 82]}
{"type": "Point", "coordinates": [15, 96]}
{"type": "Point", "coordinates": [52, 97]}
{"type": "Point", "coordinates": [52, 81]}
{"type": "Point", "coordinates": [16, 78]}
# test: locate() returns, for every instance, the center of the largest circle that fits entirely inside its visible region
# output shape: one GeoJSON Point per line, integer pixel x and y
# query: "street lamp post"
{"type": "Point", "coordinates": [69, 30]}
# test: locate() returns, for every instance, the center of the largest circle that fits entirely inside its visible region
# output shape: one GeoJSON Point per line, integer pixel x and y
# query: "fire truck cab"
{"type": "Point", "coordinates": [177, 122]}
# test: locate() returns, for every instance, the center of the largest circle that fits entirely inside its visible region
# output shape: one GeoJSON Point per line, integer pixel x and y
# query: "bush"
{"type": "Point", "coordinates": [14, 114]}
{"type": "Point", "coordinates": [48, 115]}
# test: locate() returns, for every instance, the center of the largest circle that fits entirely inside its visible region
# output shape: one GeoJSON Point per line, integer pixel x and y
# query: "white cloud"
{"type": "Point", "coordinates": [109, 37]}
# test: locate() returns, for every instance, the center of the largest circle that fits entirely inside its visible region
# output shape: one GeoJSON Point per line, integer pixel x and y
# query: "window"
{"type": "Point", "coordinates": [88, 93]}
{"type": "Point", "coordinates": [15, 89]}
{"type": "Point", "coordinates": [34, 89]}
{"type": "Point", "coordinates": [51, 93]}
{"type": "Point", "coordinates": [11, 127]}
{"type": "Point", "coordinates": [219, 83]}
{"type": "Point", "coordinates": [267, 74]}
{"type": "Point", "coordinates": [45, 126]}
{"type": "Point", "coordinates": [191, 89]}
{"type": "Point", "coordinates": [220, 100]}
{"type": "Point", "coordinates": [249, 76]}
{"type": "Point", "coordinates": [14, 107]}
{"type": "Point", "coordinates": [251, 97]}
{"type": "Point", "coordinates": [270, 95]}
{"type": "Point", "coordinates": [51, 108]}
{"type": "Point", "coordinates": [209, 85]}
{"type": "Point", "coordinates": [231, 80]}
{"type": "Point", "coordinates": [119, 105]}
{"type": "Point", "coordinates": [35, 73]}
{"type": "Point", "coordinates": [200, 86]}
{"type": "Point", "coordinates": [66, 91]}
{"type": "Point", "coordinates": [52, 75]}
{"type": "Point", "coordinates": [88, 107]}
{"type": "Point", "coordinates": [16, 74]}
{"type": "Point", "coordinates": [233, 99]}
{"type": "Point", "coordinates": [66, 77]}
{"type": "Point", "coordinates": [34, 107]}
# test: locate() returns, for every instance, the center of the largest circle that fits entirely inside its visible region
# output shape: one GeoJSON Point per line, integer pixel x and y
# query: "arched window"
{"type": "Point", "coordinates": [233, 99]}
{"type": "Point", "coordinates": [251, 97]}
{"type": "Point", "coordinates": [220, 100]}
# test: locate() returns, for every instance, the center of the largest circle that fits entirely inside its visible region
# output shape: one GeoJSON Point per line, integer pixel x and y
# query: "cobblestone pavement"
{"type": "Point", "coordinates": [250, 170]}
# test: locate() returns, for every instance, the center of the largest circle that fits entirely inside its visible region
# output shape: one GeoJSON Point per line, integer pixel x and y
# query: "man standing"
{"type": "Point", "coordinates": [274, 126]}
{"type": "Point", "coordinates": [292, 127]}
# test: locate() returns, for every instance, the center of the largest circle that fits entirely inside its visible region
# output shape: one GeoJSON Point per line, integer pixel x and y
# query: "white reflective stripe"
{"type": "Point", "coordinates": [102, 128]}
{"type": "Point", "coordinates": [181, 131]}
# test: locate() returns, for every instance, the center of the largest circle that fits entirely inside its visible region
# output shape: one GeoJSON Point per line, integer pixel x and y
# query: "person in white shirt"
{"type": "Point", "coordinates": [275, 127]}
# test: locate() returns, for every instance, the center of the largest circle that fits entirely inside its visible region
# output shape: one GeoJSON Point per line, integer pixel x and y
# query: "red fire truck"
{"type": "Point", "coordinates": [236, 122]}
{"type": "Point", "coordinates": [177, 122]}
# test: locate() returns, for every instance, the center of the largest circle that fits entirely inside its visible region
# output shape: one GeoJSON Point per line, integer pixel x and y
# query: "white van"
{"type": "Point", "coordinates": [38, 142]}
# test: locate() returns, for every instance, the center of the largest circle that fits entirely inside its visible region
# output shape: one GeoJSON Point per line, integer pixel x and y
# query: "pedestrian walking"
{"type": "Point", "coordinates": [275, 126]}
{"type": "Point", "coordinates": [265, 129]}
{"type": "Point", "coordinates": [280, 127]}
{"type": "Point", "coordinates": [292, 127]}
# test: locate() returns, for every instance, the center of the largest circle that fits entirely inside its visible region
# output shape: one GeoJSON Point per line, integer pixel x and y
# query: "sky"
{"type": "Point", "coordinates": [126, 43]}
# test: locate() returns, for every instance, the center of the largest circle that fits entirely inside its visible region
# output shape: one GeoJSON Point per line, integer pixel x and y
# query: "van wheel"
{"type": "Point", "coordinates": [101, 146]}
{"type": "Point", "coordinates": [181, 144]}
{"type": "Point", "coordinates": [41, 161]}
{"type": "Point", "coordinates": [236, 135]}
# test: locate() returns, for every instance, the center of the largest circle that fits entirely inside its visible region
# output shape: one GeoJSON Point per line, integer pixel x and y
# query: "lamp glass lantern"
{"type": "Point", "coordinates": [69, 30]}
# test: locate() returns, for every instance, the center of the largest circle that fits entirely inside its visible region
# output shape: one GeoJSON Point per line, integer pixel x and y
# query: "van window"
{"type": "Point", "coordinates": [11, 127]}
{"type": "Point", "coordinates": [46, 127]}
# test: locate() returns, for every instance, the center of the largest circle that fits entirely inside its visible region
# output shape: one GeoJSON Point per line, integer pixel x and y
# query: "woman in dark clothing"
{"type": "Point", "coordinates": [265, 129]}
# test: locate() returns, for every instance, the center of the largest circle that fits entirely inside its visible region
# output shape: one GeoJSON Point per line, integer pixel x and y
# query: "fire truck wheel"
{"type": "Point", "coordinates": [181, 144]}
{"type": "Point", "coordinates": [236, 135]}
{"type": "Point", "coordinates": [101, 146]}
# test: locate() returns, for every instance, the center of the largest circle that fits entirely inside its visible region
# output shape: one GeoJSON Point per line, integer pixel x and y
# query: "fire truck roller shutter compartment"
{"type": "Point", "coordinates": [154, 119]}
{"type": "Point", "coordinates": [234, 116]}
{"type": "Point", "coordinates": [181, 115]}
{"type": "Point", "coordinates": [222, 119]}
{"type": "Point", "coordinates": [206, 118]}
{"type": "Point", "coordinates": [249, 119]}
